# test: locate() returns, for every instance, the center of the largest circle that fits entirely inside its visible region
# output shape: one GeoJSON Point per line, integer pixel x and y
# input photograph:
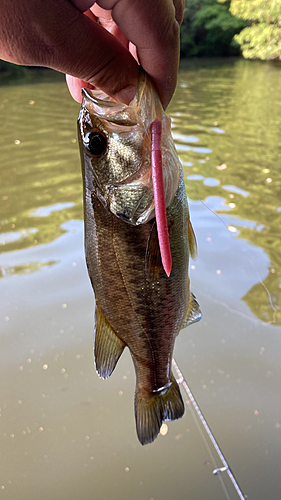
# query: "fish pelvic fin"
{"type": "Point", "coordinates": [108, 346]}
{"type": "Point", "coordinates": [194, 313]}
{"type": "Point", "coordinates": [152, 409]}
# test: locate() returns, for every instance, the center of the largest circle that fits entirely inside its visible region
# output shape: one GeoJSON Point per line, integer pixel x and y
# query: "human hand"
{"type": "Point", "coordinates": [56, 34]}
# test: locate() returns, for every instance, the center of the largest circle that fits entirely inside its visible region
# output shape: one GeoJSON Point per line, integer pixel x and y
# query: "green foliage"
{"type": "Point", "coordinates": [261, 11]}
{"type": "Point", "coordinates": [208, 29]}
{"type": "Point", "coordinates": [261, 40]}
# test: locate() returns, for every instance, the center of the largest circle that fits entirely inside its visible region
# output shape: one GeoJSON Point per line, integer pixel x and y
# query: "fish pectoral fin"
{"type": "Point", "coordinates": [192, 241]}
{"type": "Point", "coordinates": [193, 312]}
{"type": "Point", "coordinates": [108, 347]}
{"type": "Point", "coordinates": [152, 409]}
{"type": "Point", "coordinates": [153, 262]}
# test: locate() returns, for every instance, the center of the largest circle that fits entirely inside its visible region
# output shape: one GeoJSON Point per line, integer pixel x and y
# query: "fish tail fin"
{"type": "Point", "coordinates": [152, 409]}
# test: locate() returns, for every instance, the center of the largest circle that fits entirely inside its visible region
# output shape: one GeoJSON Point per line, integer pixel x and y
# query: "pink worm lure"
{"type": "Point", "coordinates": [159, 196]}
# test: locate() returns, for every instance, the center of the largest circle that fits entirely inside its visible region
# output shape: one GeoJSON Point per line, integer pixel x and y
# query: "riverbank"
{"type": "Point", "coordinates": [11, 74]}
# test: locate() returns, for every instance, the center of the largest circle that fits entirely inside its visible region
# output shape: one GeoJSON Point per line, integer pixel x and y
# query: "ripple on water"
{"type": "Point", "coordinates": [185, 138]}
{"type": "Point", "coordinates": [217, 130]}
{"type": "Point", "coordinates": [210, 181]}
{"type": "Point", "coordinates": [45, 211]}
{"type": "Point", "coordinates": [202, 150]}
{"type": "Point", "coordinates": [195, 177]}
{"type": "Point", "coordinates": [11, 237]}
{"type": "Point", "coordinates": [237, 190]}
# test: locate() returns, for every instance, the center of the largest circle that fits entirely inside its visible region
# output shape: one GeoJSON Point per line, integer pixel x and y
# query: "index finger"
{"type": "Point", "coordinates": [153, 28]}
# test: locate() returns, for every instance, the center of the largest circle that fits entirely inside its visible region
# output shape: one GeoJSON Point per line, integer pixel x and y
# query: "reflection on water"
{"type": "Point", "coordinates": [240, 154]}
{"type": "Point", "coordinates": [63, 426]}
{"type": "Point", "coordinates": [40, 181]}
{"type": "Point", "coordinates": [24, 268]}
{"type": "Point", "coordinates": [230, 148]}
{"type": "Point", "coordinates": [231, 143]}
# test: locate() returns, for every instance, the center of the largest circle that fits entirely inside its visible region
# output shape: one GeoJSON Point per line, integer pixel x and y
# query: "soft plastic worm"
{"type": "Point", "coordinates": [159, 196]}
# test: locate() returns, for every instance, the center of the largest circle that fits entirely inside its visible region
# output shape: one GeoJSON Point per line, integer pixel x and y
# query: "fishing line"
{"type": "Point", "coordinates": [225, 467]}
{"type": "Point", "coordinates": [231, 309]}
{"type": "Point", "coordinates": [249, 260]}
{"type": "Point", "coordinates": [180, 381]}
{"type": "Point", "coordinates": [267, 291]}
{"type": "Point", "coordinates": [212, 211]}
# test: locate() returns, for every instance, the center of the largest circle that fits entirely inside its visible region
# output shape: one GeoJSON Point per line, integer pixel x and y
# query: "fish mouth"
{"type": "Point", "coordinates": [132, 198]}
{"type": "Point", "coordinates": [133, 203]}
{"type": "Point", "coordinates": [105, 107]}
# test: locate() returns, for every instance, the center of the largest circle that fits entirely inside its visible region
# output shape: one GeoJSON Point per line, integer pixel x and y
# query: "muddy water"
{"type": "Point", "coordinates": [64, 433]}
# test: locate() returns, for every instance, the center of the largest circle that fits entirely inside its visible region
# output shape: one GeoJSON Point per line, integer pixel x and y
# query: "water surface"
{"type": "Point", "coordinates": [64, 432]}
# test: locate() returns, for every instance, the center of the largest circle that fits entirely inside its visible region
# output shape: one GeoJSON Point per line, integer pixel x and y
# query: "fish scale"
{"type": "Point", "coordinates": [137, 305]}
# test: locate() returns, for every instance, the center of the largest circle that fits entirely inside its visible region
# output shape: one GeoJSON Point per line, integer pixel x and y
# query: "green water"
{"type": "Point", "coordinates": [65, 433]}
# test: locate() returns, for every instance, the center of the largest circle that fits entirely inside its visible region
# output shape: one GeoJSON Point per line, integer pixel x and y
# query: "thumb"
{"type": "Point", "coordinates": [89, 53]}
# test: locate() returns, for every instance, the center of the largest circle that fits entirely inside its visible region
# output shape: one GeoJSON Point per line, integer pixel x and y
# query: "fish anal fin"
{"type": "Point", "coordinates": [153, 262]}
{"type": "Point", "coordinates": [193, 312]}
{"type": "Point", "coordinates": [192, 241]}
{"type": "Point", "coordinates": [152, 409]}
{"type": "Point", "coordinates": [108, 347]}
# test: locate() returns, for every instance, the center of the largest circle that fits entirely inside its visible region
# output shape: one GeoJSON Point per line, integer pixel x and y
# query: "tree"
{"type": "Point", "coordinates": [262, 39]}
{"type": "Point", "coordinates": [208, 29]}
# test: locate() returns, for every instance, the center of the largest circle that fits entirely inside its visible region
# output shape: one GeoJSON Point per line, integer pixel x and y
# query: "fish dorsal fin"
{"type": "Point", "coordinates": [193, 312]}
{"type": "Point", "coordinates": [192, 241]}
{"type": "Point", "coordinates": [153, 263]}
{"type": "Point", "coordinates": [108, 347]}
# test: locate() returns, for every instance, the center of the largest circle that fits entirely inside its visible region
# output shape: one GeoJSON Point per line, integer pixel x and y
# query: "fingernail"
{"type": "Point", "coordinates": [126, 95]}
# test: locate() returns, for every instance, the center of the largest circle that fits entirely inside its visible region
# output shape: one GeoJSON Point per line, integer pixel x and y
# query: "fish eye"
{"type": "Point", "coordinates": [95, 142]}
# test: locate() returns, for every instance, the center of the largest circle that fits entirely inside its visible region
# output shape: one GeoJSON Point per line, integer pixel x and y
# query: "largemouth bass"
{"type": "Point", "coordinates": [137, 304]}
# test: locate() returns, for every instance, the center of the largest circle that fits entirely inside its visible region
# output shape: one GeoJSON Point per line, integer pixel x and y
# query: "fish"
{"type": "Point", "coordinates": [137, 304]}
